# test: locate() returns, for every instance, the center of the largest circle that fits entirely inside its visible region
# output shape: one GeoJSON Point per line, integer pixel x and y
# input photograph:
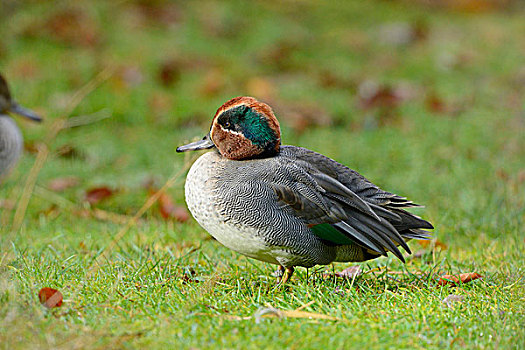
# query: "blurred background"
{"type": "Point", "coordinates": [425, 98]}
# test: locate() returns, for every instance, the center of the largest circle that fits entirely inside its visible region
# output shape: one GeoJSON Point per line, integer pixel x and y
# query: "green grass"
{"type": "Point", "coordinates": [166, 283]}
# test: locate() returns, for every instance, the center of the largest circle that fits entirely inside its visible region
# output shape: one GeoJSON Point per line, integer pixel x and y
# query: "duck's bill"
{"type": "Point", "coordinates": [205, 143]}
{"type": "Point", "coordinates": [24, 112]}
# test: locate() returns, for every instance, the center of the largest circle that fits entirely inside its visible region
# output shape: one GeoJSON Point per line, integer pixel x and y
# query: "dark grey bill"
{"type": "Point", "coordinates": [205, 143]}
{"type": "Point", "coordinates": [24, 112]}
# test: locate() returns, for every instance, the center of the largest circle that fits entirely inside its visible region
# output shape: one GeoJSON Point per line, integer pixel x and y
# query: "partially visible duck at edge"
{"type": "Point", "coordinates": [288, 205]}
{"type": "Point", "coordinates": [11, 140]}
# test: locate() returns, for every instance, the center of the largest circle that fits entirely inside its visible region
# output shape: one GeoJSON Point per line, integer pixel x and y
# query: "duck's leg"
{"type": "Point", "coordinates": [288, 272]}
{"type": "Point", "coordinates": [278, 273]}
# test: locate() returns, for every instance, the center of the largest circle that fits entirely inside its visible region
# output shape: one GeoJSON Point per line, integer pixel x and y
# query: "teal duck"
{"type": "Point", "coordinates": [288, 205]}
{"type": "Point", "coordinates": [11, 140]}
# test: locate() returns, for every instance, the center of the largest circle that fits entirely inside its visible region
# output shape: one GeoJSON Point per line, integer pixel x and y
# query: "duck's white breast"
{"type": "Point", "coordinates": [203, 196]}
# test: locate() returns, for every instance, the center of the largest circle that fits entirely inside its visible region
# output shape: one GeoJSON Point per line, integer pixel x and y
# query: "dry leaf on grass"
{"type": "Point", "coordinates": [163, 12]}
{"type": "Point", "coordinates": [50, 297]}
{"type": "Point", "coordinates": [169, 210]}
{"type": "Point", "coordinates": [95, 195]}
{"type": "Point", "coordinates": [458, 279]}
{"type": "Point", "coordinates": [373, 95]}
{"type": "Point", "coordinates": [435, 104]}
{"type": "Point", "coordinates": [170, 72]}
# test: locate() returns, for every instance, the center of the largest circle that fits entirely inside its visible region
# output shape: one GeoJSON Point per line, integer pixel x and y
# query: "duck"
{"type": "Point", "coordinates": [11, 140]}
{"type": "Point", "coordinates": [288, 205]}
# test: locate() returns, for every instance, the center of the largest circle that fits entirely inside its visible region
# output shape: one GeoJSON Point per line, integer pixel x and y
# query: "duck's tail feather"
{"type": "Point", "coordinates": [416, 234]}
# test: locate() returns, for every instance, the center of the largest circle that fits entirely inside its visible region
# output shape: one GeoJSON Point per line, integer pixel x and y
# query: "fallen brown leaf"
{"type": "Point", "coordinates": [164, 12]}
{"type": "Point", "coordinates": [170, 72]}
{"type": "Point", "coordinates": [170, 210]}
{"type": "Point", "coordinates": [373, 95]}
{"type": "Point", "coordinates": [97, 194]}
{"type": "Point", "coordinates": [435, 104]}
{"type": "Point", "coordinates": [458, 279]}
{"type": "Point", "coordinates": [50, 297]}
{"type": "Point", "coordinates": [167, 208]}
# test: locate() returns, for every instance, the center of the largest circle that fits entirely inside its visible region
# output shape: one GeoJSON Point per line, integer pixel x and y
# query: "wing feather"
{"type": "Point", "coordinates": [323, 191]}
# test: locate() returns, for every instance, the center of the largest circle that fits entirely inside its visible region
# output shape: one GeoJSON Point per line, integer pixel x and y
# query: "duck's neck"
{"type": "Point", "coordinates": [11, 143]}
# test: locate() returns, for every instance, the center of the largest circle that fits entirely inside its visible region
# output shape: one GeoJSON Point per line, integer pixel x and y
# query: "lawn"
{"type": "Point", "coordinates": [425, 101]}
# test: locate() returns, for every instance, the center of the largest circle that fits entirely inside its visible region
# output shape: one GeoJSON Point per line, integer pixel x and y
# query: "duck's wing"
{"type": "Point", "coordinates": [339, 205]}
{"type": "Point", "coordinates": [333, 212]}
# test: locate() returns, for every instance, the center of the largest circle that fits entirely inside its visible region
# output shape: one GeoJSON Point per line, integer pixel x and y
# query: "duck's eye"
{"type": "Point", "coordinates": [227, 125]}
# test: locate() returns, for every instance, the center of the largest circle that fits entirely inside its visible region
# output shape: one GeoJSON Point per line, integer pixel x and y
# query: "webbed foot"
{"type": "Point", "coordinates": [286, 274]}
